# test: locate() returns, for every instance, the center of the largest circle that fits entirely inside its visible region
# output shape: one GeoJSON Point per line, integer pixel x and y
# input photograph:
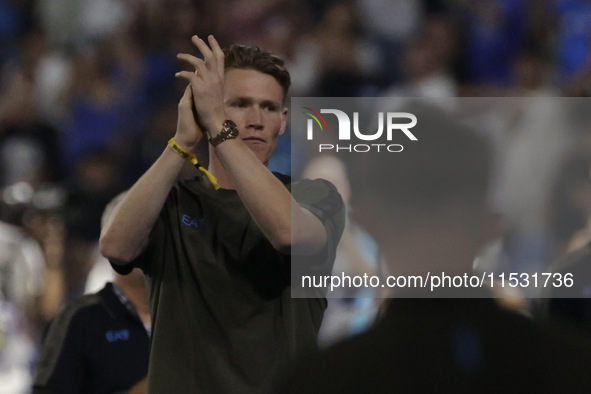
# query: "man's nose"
{"type": "Point", "coordinates": [255, 118]}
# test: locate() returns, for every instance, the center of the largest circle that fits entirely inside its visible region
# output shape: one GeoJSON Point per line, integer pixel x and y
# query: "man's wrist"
{"type": "Point", "coordinates": [215, 126]}
{"type": "Point", "coordinates": [228, 131]}
{"type": "Point", "coordinates": [187, 146]}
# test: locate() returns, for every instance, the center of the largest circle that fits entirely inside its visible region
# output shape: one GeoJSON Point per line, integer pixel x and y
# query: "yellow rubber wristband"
{"type": "Point", "coordinates": [193, 159]}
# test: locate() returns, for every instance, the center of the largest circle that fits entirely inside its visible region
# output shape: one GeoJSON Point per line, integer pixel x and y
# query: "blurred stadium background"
{"type": "Point", "coordinates": [88, 100]}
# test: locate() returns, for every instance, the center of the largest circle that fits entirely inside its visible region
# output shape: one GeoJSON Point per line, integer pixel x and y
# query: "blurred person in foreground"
{"type": "Point", "coordinates": [100, 342]}
{"type": "Point", "coordinates": [570, 305]}
{"type": "Point", "coordinates": [31, 289]}
{"type": "Point", "coordinates": [429, 213]}
{"type": "Point", "coordinates": [217, 249]}
{"type": "Point", "coordinates": [350, 311]}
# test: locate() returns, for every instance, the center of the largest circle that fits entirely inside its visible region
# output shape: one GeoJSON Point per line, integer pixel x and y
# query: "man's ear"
{"type": "Point", "coordinates": [284, 113]}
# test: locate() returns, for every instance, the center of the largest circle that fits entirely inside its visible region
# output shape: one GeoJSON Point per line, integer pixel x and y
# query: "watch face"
{"type": "Point", "coordinates": [229, 131]}
{"type": "Point", "coordinates": [232, 128]}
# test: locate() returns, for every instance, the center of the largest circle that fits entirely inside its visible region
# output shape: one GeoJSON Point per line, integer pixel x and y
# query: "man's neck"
{"type": "Point", "coordinates": [216, 167]}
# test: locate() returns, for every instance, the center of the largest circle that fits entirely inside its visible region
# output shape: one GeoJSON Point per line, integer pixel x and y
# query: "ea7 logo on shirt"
{"type": "Point", "coordinates": [192, 222]}
{"type": "Point", "coordinates": [117, 335]}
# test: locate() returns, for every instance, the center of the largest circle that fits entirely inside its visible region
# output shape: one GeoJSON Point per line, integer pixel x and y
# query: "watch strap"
{"type": "Point", "coordinates": [229, 131]}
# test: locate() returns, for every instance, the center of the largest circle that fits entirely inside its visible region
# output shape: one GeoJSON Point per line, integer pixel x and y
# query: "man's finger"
{"type": "Point", "coordinates": [208, 55]}
{"type": "Point", "coordinates": [194, 61]}
{"type": "Point", "coordinates": [187, 99]}
{"type": "Point", "coordinates": [218, 53]}
{"type": "Point", "coordinates": [188, 94]}
{"type": "Point", "coordinates": [188, 75]}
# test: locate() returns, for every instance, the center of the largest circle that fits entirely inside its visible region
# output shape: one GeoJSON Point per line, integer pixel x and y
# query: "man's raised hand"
{"type": "Point", "coordinates": [188, 132]}
{"type": "Point", "coordinates": [207, 83]}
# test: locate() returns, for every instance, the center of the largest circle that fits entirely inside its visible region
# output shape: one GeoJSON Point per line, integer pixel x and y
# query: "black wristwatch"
{"type": "Point", "coordinates": [229, 131]}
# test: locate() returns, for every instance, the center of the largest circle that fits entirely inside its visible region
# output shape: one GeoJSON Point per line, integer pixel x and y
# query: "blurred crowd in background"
{"type": "Point", "coordinates": [88, 100]}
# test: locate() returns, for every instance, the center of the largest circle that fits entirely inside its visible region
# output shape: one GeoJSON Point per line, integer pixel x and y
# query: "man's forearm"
{"type": "Point", "coordinates": [285, 224]}
{"type": "Point", "coordinates": [126, 231]}
{"type": "Point", "coordinates": [264, 196]}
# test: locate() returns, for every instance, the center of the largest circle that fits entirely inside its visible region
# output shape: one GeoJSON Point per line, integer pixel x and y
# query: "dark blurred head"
{"type": "Point", "coordinates": [436, 185]}
{"type": "Point", "coordinates": [254, 58]}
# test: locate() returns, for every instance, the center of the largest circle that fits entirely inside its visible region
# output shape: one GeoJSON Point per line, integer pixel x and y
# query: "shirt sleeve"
{"type": "Point", "coordinates": [322, 199]}
{"type": "Point", "coordinates": [141, 262]}
{"type": "Point", "coordinates": [144, 260]}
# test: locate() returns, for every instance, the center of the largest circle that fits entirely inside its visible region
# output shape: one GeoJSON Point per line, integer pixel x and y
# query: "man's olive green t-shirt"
{"type": "Point", "coordinates": [223, 317]}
